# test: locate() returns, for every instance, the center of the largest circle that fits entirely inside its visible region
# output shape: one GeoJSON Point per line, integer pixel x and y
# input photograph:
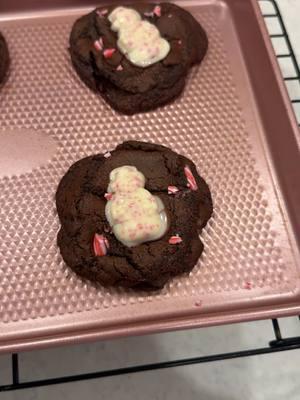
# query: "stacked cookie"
{"type": "Point", "coordinates": [129, 87]}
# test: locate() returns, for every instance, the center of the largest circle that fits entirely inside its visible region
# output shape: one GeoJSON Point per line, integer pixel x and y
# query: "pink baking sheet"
{"type": "Point", "coordinates": [234, 120]}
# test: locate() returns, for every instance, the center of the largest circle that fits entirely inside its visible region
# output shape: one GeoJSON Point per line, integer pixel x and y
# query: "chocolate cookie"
{"type": "Point", "coordinates": [129, 88]}
{"type": "Point", "coordinates": [81, 201]}
{"type": "Point", "coordinates": [4, 58]}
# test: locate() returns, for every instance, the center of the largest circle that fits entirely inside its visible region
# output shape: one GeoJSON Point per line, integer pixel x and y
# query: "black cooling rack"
{"type": "Point", "coordinates": [277, 344]}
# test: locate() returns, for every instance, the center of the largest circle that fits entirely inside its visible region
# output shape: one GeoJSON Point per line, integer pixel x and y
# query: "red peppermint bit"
{"type": "Point", "coordinates": [119, 67]}
{"type": "Point", "coordinates": [192, 184]}
{"type": "Point", "coordinates": [107, 154]}
{"type": "Point", "coordinates": [148, 14]}
{"type": "Point", "coordinates": [157, 11]}
{"type": "Point", "coordinates": [248, 285]}
{"type": "Point", "coordinates": [101, 13]}
{"type": "Point", "coordinates": [198, 303]}
{"type": "Point", "coordinates": [98, 44]}
{"type": "Point", "coordinates": [108, 53]}
{"type": "Point", "coordinates": [175, 239]}
{"type": "Point", "coordinates": [100, 245]}
{"type": "Point", "coordinates": [173, 189]}
{"type": "Point", "coordinates": [108, 196]}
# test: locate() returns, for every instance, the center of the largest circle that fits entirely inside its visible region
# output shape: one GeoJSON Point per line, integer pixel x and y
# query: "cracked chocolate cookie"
{"type": "Point", "coordinates": [137, 57]}
{"type": "Point", "coordinates": [4, 58]}
{"type": "Point", "coordinates": [132, 217]}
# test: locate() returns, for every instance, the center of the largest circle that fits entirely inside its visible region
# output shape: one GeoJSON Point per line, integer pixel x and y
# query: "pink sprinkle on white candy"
{"type": "Point", "coordinates": [192, 184]}
{"type": "Point", "coordinates": [173, 189]}
{"type": "Point", "coordinates": [175, 239]}
{"type": "Point", "coordinates": [108, 53]}
{"type": "Point", "coordinates": [119, 68]}
{"type": "Point", "coordinates": [100, 245]}
{"type": "Point", "coordinates": [108, 196]}
{"type": "Point", "coordinates": [157, 11]}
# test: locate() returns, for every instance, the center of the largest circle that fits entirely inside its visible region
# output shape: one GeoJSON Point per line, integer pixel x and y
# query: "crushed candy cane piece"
{"type": "Point", "coordinates": [98, 44]}
{"type": "Point", "coordinates": [173, 189]}
{"type": "Point", "coordinates": [157, 11]}
{"type": "Point", "coordinates": [101, 13]}
{"type": "Point", "coordinates": [175, 239]}
{"type": "Point", "coordinates": [192, 184]}
{"type": "Point", "coordinates": [108, 53]}
{"type": "Point", "coordinates": [198, 303]}
{"type": "Point", "coordinates": [107, 154]}
{"type": "Point", "coordinates": [100, 245]}
{"type": "Point", "coordinates": [248, 285]}
{"type": "Point", "coordinates": [119, 67]}
{"type": "Point", "coordinates": [108, 196]}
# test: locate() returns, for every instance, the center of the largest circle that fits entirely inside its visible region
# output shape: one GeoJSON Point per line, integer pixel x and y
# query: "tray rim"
{"type": "Point", "coordinates": [63, 336]}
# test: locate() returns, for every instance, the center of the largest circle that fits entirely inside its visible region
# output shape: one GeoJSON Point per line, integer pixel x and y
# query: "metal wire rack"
{"type": "Point", "coordinates": [277, 344]}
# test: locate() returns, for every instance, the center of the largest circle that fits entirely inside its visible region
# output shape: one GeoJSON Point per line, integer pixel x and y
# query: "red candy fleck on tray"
{"type": "Point", "coordinates": [192, 184]}
{"type": "Point", "coordinates": [175, 239]}
{"type": "Point", "coordinates": [157, 11]}
{"type": "Point", "coordinates": [100, 245]}
{"type": "Point", "coordinates": [173, 189]}
{"type": "Point", "coordinates": [108, 53]}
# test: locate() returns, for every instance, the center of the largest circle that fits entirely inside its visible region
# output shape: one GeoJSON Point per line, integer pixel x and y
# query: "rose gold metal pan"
{"type": "Point", "coordinates": [234, 120]}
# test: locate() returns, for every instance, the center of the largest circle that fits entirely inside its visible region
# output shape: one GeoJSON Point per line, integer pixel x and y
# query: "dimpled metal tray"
{"type": "Point", "coordinates": [234, 120]}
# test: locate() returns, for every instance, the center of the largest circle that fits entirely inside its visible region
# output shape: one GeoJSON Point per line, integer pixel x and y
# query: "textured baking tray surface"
{"type": "Point", "coordinates": [248, 260]}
